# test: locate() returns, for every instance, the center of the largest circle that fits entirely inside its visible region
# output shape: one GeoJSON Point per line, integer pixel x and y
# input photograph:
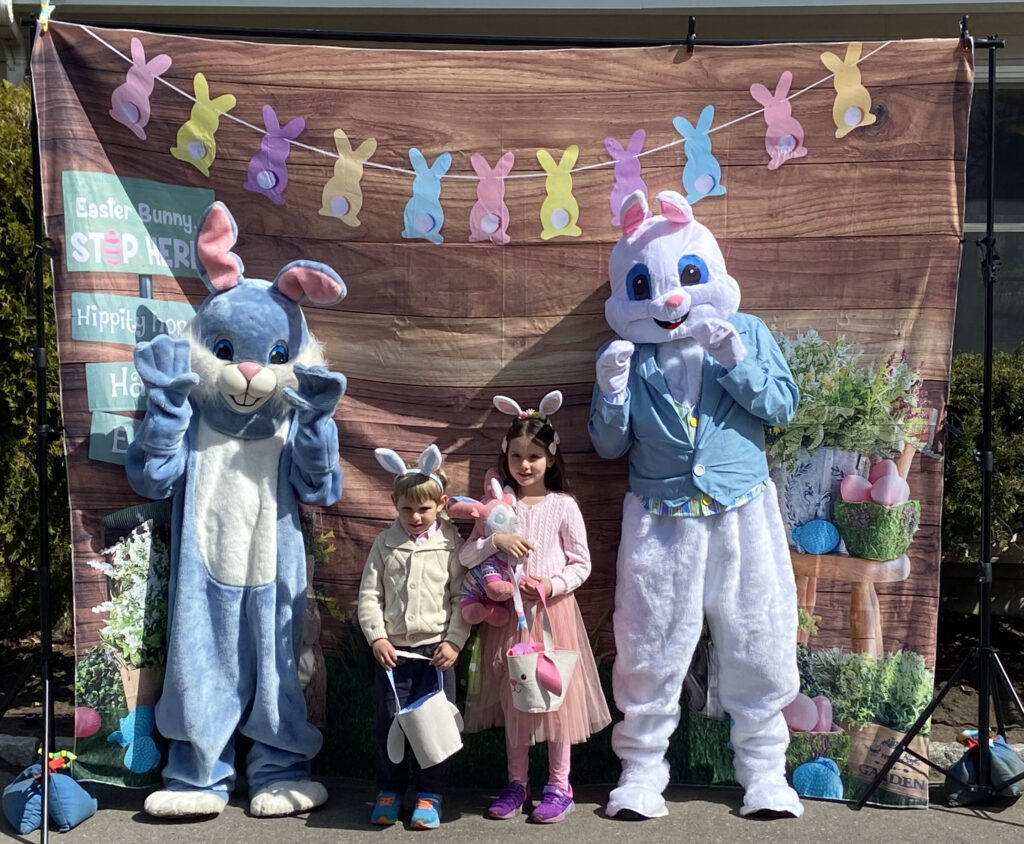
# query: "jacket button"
{"type": "Point", "coordinates": [410, 617]}
{"type": "Point", "coordinates": [698, 470]}
{"type": "Point", "coordinates": [412, 585]}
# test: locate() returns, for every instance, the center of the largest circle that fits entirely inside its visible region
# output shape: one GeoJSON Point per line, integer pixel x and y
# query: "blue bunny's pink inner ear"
{"type": "Point", "coordinates": [304, 281]}
{"type": "Point", "coordinates": [213, 247]}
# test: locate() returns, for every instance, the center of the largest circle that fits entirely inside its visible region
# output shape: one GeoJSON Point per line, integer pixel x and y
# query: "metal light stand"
{"type": "Point", "coordinates": [983, 655]}
{"type": "Point", "coordinates": [44, 658]}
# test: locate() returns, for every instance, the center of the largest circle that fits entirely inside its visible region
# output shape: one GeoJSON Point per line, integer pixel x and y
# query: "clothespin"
{"type": "Point", "coordinates": [965, 36]}
{"type": "Point", "coordinates": [691, 36]}
{"type": "Point", "coordinates": [45, 10]}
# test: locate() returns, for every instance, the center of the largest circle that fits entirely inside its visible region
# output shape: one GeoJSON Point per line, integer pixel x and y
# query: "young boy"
{"type": "Point", "coordinates": [409, 599]}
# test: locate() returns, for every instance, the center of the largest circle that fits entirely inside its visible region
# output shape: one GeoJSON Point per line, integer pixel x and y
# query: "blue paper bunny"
{"type": "Point", "coordinates": [423, 213]}
{"type": "Point", "coordinates": [702, 174]}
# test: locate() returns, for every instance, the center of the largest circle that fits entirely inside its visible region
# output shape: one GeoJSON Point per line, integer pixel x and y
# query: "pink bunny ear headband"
{"type": "Point", "coordinates": [429, 463]}
{"type": "Point", "coordinates": [548, 406]}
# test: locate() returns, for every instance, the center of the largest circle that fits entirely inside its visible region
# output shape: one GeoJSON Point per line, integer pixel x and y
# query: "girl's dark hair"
{"type": "Point", "coordinates": [537, 429]}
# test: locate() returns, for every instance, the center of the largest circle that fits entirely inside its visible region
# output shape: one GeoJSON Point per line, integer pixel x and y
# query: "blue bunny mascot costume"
{"type": "Point", "coordinates": [239, 429]}
{"type": "Point", "coordinates": [686, 390]}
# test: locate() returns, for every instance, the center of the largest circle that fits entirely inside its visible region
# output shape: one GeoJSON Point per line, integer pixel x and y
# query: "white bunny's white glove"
{"type": "Point", "coordinates": [613, 369]}
{"type": "Point", "coordinates": [721, 340]}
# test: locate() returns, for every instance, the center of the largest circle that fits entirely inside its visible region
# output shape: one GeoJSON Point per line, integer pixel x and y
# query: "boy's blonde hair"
{"type": "Point", "coordinates": [418, 488]}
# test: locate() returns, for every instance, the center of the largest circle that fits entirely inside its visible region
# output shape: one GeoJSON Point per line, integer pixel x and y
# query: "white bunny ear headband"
{"type": "Point", "coordinates": [548, 406]}
{"type": "Point", "coordinates": [429, 463]}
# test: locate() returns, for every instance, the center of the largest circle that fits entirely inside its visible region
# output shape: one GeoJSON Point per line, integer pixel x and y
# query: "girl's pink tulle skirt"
{"type": "Point", "coordinates": [583, 710]}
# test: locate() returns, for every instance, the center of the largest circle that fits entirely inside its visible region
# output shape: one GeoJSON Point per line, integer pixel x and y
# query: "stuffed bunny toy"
{"type": "Point", "coordinates": [238, 430]}
{"type": "Point", "coordinates": [488, 586]}
{"type": "Point", "coordinates": [686, 391]}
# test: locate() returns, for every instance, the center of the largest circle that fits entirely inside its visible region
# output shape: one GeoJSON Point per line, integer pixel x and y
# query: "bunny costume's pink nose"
{"type": "Point", "coordinates": [250, 369]}
{"type": "Point", "coordinates": [675, 300]}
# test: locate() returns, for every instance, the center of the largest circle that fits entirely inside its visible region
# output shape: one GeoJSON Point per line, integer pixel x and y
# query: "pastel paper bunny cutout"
{"type": "Point", "coordinates": [489, 217]}
{"type": "Point", "coordinates": [559, 211]}
{"type": "Point", "coordinates": [784, 137]}
{"type": "Point", "coordinates": [196, 144]}
{"type": "Point", "coordinates": [488, 586]}
{"type": "Point", "coordinates": [268, 172]}
{"type": "Point", "coordinates": [423, 214]}
{"type": "Point", "coordinates": [702, 174]}
{"type": "Point", "coordinates": [627, 171]}
{"type": "Point", "coordinates": [852, 106]}
{"type": "Point", "coordinates": [343, 194]}
{"type": "Point", "coordinates": [129, 103]}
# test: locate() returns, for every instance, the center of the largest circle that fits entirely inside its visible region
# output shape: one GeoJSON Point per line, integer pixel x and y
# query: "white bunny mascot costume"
{"type": "Point", "coordinates": [686, 393]}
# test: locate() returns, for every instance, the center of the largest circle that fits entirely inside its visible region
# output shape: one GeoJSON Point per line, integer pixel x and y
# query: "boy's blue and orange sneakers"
{"type": "Point", "coordinates": [427, 814]}
{"type": "Point", "coordinates": [385, 810]}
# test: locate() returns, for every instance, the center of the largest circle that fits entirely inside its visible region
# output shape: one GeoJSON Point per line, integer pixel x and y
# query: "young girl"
{"type": "Point", "coordinates": [552, 545]}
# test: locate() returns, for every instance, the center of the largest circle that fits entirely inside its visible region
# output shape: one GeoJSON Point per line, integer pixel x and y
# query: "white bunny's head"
{"type": "Point", "coordinates": [666, 273]}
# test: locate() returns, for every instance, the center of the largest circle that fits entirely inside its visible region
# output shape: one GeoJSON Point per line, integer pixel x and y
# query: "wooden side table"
{"type": "Point", "coordinates": [862, 575]}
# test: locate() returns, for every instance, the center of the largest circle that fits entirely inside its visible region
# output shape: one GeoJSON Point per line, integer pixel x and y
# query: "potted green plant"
{"type": "Point", "coordinates": [850, 414]}
{"type": "Point", "coordinates": [138, 567]}
{"type": "Point", "coordinates": [875, 701]}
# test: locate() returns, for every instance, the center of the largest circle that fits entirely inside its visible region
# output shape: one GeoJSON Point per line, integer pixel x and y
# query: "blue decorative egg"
{"type": "Point", "coordinates": [142, 755]}
{"type": "Point", "coordinates": [816, 537]}
{"type": "Point", "coordinates": [818, 778]}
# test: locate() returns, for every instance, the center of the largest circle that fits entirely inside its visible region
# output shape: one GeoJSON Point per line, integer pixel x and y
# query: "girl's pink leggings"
{"type": "Point", "coordinates": [558, 762]}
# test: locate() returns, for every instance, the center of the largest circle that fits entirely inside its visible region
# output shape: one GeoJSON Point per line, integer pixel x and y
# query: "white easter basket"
{"type": "Point", "coordinates": [431, 724]}
{"type": "Point", "coordinates": [527, 673]}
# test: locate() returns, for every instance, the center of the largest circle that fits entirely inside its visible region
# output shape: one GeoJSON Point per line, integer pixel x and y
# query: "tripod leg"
{"type": "Point", "coordinates": [1001, 673]}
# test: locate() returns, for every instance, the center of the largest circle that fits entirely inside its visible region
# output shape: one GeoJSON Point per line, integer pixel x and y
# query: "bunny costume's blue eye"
{"type": "Point", "coordinates": [224, 350]}
{"type": "Point", "coordinates": [692, 270]}
{"type": "Point", "coordinates": [278, 354]}
{"type": "Point", "coordinates": [638, 283]}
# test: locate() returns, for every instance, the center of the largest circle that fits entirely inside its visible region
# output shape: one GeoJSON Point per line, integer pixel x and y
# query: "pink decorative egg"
{"type": "Point", "coordinates": [87, 721]}
{"type": "Point", "coordinates": [854, 488]}
{"type": "Point", "coordinates": [890, 490]}
{"type": "Point", "coordinates": [824, 707]}
{"type": "Point", "coordinates": [884, 467]}
{"type": "Point", "coordinates": [801, 714]}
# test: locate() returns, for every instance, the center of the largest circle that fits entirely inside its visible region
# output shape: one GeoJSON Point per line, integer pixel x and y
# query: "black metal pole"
{"type": "Point", "coordinates": [42, 448]}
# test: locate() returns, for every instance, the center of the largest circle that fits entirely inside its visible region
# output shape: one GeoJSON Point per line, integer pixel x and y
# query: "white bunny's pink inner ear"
{"type": "Point", "coordinates": [316, 282]}
{"type": "Point", "coordinates": [633, 211]}
{"type": "Point", "coordinates": [674, 207]}
{"type": "Point", "coordinates": [508, 406]}
{"type": "Point", "coordinates": [213, 247]}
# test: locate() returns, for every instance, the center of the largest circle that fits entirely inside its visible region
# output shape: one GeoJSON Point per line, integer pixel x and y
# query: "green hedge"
{"type": "Point", "coordinates": [19, 508]}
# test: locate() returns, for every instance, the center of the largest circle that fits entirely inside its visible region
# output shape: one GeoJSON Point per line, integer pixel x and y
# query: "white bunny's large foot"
{"type": "Point", "coordinates": [771, 799]}
{"type": "Point", "coordinates": [636, 799]}
{"type": "Point", "coordinates": [183, 804]}
{"type": "Point", "coordinates": [287, 798]}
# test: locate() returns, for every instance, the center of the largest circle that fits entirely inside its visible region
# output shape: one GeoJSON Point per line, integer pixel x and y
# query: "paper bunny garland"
{"type": "Point", "coordinates": [428, 464]}
{"type": "Point", "coordinates": [549, 405]}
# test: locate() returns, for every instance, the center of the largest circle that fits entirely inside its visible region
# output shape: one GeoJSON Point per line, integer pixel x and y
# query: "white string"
{"type": "Point", "coordinates": [474, 178]}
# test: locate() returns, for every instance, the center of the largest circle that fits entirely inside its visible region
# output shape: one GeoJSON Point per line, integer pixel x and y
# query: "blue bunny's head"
{"type": "Point", "coordinates": [248, 334]}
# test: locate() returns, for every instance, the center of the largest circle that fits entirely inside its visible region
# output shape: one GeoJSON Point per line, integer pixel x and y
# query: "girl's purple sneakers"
{"type": "Point", "coordinates": [510, 802]}
{"type": "Point", "coordinates": [555, 805]}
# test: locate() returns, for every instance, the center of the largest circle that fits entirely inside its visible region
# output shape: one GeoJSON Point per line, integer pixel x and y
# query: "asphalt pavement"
{"type": "Point", "coordinates": [695, 815]}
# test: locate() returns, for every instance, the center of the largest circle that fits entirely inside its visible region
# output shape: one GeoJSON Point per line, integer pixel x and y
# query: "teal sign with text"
{"type": "Point", "coordinates": [120, 225]}
{"type": "Point", "coordinates": [109, 437]}
{"type": "Point", "coordinates": [126, 319]}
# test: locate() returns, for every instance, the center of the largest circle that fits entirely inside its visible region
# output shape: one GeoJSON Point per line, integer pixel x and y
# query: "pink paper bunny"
{"type": "Point", "coordinates": [784, 138]}
{"type": "Point", "coordinates": [129, 103]}
{"type": "Point", "coordinates": [627, 171]}
{"type": "Point", "coordinates": [268, 173]}
{"type": "Point", "coordinates": [489, 217]}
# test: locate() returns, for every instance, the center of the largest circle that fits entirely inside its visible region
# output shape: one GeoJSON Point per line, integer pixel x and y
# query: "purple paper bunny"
{"type": "Point", "coordinates": [627, 171]}
{"type": "Point", "coordinates": [784, 137]}
{"type": "Point", "coordinates": [129, 103]}
{"type": "Point", "coordinates": [268, 173]}
{"type": "Point", "coordinates": [489, 218]}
